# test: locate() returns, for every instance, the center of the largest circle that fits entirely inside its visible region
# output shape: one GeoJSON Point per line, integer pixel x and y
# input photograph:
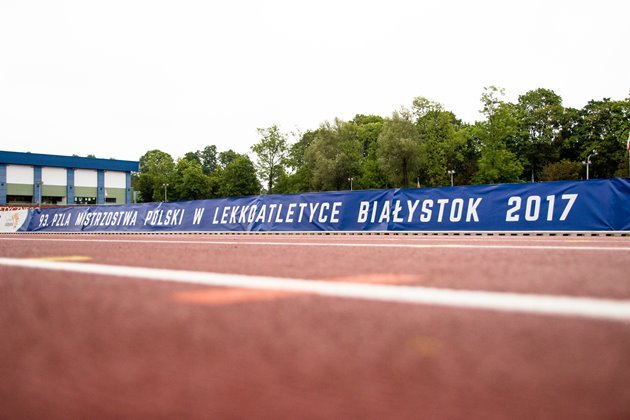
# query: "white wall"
{"type": "Point", "coordinates": [114, 179]}
{"type": "Point", "coordinates": [85, 178]}
{"type": "Point", "coordinates": [54, 176]}
{"type": "Point", "coordinates": [20, 174]}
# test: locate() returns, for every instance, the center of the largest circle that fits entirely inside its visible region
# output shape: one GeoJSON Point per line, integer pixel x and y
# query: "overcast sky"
{"type": "Point", "coordinates": [118, 78]}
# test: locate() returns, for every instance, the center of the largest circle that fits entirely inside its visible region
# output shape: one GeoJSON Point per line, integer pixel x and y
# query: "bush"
{"type": "Point", "coordinates": [563, 170]}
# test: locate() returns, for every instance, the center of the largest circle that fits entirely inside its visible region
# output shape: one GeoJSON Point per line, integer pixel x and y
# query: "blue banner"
{"type": "Point", "coordinates": [596, 205]}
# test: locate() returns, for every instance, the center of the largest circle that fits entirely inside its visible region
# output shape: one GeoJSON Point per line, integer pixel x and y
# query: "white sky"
{"type": "Point", "coordinates": [117, 78]}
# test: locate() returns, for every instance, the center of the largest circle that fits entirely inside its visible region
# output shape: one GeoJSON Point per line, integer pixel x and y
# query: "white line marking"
{"type": "Point", "coordinates": [605, 309]}
{"type": "Point", "coordinates": [336, 244]}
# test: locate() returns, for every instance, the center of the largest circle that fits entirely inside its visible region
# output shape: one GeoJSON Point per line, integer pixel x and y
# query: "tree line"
{"type": "Point", "coordinates": [534, 139]}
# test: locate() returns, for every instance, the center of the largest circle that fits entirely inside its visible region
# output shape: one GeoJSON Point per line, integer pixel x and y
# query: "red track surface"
{"type": "Point", "coordinates": [97, 346]}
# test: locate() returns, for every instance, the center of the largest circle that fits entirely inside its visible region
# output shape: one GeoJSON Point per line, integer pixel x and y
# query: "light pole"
{"type": "Point", "coordinates": [588, 162]}
{"type": "Point", "coordinates": [165, 189]}
{"type": "Point", "coordinates": [350, 179]}
{"type": "Point", "coordinates": [451, 173]}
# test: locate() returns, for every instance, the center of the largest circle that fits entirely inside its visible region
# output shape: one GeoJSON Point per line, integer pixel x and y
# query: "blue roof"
{"type": "Point", "coordinates": [36, 159]}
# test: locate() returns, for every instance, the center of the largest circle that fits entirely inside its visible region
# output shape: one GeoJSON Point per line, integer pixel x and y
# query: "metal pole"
{"type": "Point", "coordinates": [588, 163]}
{"type": "Point", "coordinates": [451, 172]}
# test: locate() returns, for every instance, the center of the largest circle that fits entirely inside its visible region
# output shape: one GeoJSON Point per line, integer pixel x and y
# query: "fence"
{"type": "Point", "coordinates": [583, 206]}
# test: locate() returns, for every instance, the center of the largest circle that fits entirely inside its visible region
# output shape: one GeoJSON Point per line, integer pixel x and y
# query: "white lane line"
{"type": "Point", "coordinates": [338, 244]}
{"type": "Point", "coordinates": [604, 309]}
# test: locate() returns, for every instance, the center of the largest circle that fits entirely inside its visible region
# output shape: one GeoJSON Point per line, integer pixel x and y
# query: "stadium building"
{"type": "Point", "coordinates": [31, 178]}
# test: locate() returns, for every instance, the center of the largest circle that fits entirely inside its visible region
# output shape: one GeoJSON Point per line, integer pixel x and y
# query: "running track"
{"type": "Point", "coordinates": [314, 327]}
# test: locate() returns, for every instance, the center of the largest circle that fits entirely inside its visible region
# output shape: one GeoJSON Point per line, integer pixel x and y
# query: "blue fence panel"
{"type": "Point", "coordinates": [596, 205]}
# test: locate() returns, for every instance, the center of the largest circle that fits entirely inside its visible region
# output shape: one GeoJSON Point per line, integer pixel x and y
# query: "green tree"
{"type": "Point", "coordinates": [189, 182]}
{"type": "Point", "coordinates": [227, 157]}
{"type": "Point", "coordinates": [398, 149]}
{"type": "Point", "coordinates": [470, 154]}
{"type": "Point", "coordinates": [209, 159]}
{"type": "Point", "coordinates": [238, 178]}
{"type": "Point", "coordinates": [296, 176]}
{"type": "Point", "coordinates": [373, 176]}
{"type": "Point", "coordinates": [271, 152]}
{"type": "Point", "coordinates": [604, 126]}
{"type": "Point", "coordinates": [442, 146]}
{"type": "Point", "coordinates": [568, 146]}
{"type": "Point", "coordinates": [497, 164]}
{"type": "Point", "coordinates": [333, 156]}
{"type": "Point", "coordinates": [540, 117]}
{"type": "Point", "coordinates": [368, 128]}
{"type": "Point", "coordinates": [192, 157]}
{"type": "Point", "coordinates": [156, 170]}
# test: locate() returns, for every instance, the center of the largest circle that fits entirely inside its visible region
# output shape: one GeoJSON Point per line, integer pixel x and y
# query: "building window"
{"type": "Point", "coordinates": [110, 200]}
{"type": "Point", "coordinates": [84, 200]}
{"type": "Point", "coordinates": [52, 200]}
{"type": "Point", "coordinates": [19, 199]}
